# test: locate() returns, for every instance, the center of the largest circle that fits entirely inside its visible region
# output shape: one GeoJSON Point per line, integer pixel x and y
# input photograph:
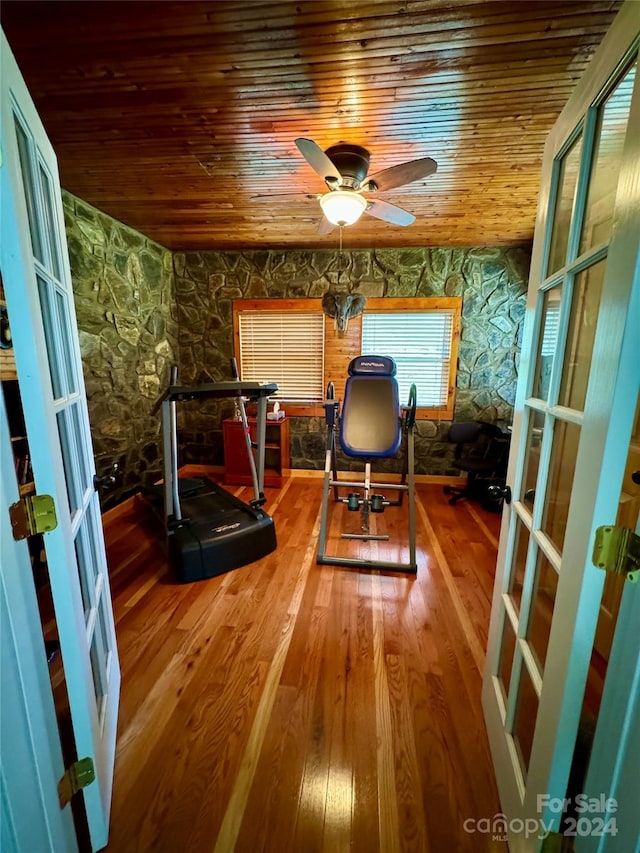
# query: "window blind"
{"type": "Point", "coordinates": [550, 331]}
{"type": "Point", "coordinates": [420, 344]}
{"type": "Point", "coordinates": [285, 348]}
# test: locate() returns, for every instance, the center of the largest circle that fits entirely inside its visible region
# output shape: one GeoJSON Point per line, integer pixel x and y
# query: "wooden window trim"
{"type": "Point", "coordinates": [338, 352]}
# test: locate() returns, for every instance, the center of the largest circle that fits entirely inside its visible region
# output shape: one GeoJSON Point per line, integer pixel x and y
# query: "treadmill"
{"type": "Point", "coordinates": [210, 531]}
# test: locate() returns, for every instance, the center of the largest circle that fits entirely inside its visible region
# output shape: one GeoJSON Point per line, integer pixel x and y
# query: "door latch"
{"type": "Point", "coordinates": [617, 550]}
{"type": "Point", "coordinates": [108, 480]}
{"type": "Point", "coordinates": [500, 493]}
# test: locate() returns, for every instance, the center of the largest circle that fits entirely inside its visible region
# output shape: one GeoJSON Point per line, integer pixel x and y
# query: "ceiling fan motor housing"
{"type": "Point", "coordinates": [352, 161]}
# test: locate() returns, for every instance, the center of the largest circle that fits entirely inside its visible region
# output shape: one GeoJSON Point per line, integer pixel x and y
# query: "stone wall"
{"type": "Point", "coordinates": [491, 281]}
{"type": "Point", "coordinates": [125, 304]}
{"type": "Point", "coordinates": [140, 310]}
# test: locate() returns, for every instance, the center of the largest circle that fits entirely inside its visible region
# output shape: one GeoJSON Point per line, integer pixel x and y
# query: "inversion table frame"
{"type": "Point", "coordinates": [369, 501]}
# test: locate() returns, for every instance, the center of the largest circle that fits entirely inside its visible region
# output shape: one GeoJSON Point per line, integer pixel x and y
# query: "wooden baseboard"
{"type": "Point", "coordinates": [216, 472]}
{"type": "Point", "coordinates": [117, 511]}
{"type": "Point", "coordinates": [432, 479]}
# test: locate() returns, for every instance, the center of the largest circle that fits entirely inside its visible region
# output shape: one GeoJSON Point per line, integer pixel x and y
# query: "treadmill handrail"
{"type": "Point", "coordinates": [183, 393]}
{"type": "Point", "coordinates": [219, 390]}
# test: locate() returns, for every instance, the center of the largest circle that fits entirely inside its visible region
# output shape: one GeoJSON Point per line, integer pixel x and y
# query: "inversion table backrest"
{"type": "Point", "coordinates": [370, 420]}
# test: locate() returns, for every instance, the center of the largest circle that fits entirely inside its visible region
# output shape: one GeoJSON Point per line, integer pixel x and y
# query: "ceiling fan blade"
{"type": "Point", "coordinates": [325, 227]}
{"type": "Point", "coordinates": [389, 213]}
{"type": "Point", "coordinates": [318, 160]}
{"type": "Point", "coordinates": [398, 176]}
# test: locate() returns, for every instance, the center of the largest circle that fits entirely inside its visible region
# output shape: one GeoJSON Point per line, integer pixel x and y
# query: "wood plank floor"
{"type": "Point", "coordinates": [287, 707]}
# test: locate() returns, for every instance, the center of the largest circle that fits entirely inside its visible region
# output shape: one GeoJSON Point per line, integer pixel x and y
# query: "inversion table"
{"type": "Point", "coordinates": [372, 425]}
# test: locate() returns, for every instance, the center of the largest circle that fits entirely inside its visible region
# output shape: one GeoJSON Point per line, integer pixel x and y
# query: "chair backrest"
{"type": "Point", "coordinates": [480, 443]}
{"type": "Point", "coordinates": [498, 445]}
{"type": "Point", "coordinates": [463, 432]}
{"type": "Point", "coordinates": [370, 423]}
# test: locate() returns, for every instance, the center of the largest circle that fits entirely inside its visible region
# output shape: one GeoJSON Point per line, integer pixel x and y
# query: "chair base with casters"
{"type": "Point", "coordinates": [482, 451]}
{"type": "Point", "coordinates": [372, 425]}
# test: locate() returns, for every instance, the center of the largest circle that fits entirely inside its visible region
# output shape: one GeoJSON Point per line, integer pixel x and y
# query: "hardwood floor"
{"type": "Point", "coordinates": [286, 706]}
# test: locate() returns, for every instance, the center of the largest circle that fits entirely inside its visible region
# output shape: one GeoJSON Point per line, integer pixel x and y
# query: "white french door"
{"type": "Point", "coordinates": [39, 297]}
{"type": "Point", "coordinates": [577, 393]}
{"type": "Point", "coordinates": [30, 754]}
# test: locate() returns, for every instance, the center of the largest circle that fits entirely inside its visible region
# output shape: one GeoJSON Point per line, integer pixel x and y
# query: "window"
{"type": "Point", "coordinates": [288, 341]}
{"type": "Point", "coordinates": [420, 344]}
{"type": "Point", "coordinates": [421, 334]}
{"type": "Point", "coordinates": [285, 346]}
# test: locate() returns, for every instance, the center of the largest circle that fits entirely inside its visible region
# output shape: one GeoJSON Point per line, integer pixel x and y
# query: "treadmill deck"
{"type": "Point", "coordinates": [217, 533]}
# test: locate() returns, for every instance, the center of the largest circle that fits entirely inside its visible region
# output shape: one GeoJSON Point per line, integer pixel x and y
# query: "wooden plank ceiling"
{"type": "Point", "coordinates": [173, 116]}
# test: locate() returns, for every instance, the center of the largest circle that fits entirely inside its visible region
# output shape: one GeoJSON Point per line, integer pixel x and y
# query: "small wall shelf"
{"type": "Point", "coordinates": [277, 454]}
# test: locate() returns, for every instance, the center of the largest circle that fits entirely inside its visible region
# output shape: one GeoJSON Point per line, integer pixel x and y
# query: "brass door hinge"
{"type": "Point", "coordinates": [617, 550]}
{"type": "Point", "coordinates": [32, 514]}
{"type": "Point", "coordinates": [78, 776]}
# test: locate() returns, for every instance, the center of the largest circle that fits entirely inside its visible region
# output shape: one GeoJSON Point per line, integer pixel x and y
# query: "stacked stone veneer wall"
{"type": "Point", "coordinates": [491, 281]}
{"type": "Point", "coordinates": [125, 306]}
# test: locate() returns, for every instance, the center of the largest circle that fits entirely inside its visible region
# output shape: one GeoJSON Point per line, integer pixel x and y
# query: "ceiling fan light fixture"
{"type": "Point", "coordinates": [343, 207]}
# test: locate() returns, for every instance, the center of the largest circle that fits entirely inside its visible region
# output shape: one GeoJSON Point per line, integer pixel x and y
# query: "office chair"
{"type": "Point", "coordinates": [482, 452]}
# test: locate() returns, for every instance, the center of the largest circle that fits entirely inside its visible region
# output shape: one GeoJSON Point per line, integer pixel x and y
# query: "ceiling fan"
{"type": "Point", "coordinates": [344, 168]}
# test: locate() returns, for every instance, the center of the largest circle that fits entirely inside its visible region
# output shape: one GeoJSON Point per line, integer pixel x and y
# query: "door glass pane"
{"type": "Point", "coordinates": [83, 570]}
{"type": "Point", "coordinates": [566, 437]}
{"type": "Point", "coordinates": [541, 614]}
{"type": "Point", "coordinates": [532, 457]}
{"type": "Point", "coordinates": [547, 342]}
{"type": "Point", "coordinates": [585, 305]}
{"type": "Point", "coordinates": [30, 190]}
{"type": "Point", "coordinates": [518, 564]}
{"type": "Point", "coordinates": [507, 650]}
{"type": "Point", "coordinates": [94, 521]}
{"type": "Point", "coordinates": [97, 667]}
{"type": "Point", "coordinates": [105, 639]}
{"type": "Point", "coordinates": [69, 460]}
{"type": "Point", "coordinates": [607, 156]}
{"type": "Point", "coordinates": [65, 338]}
{"type": "Point", "coordinates": [75, 416]}
{"type": "Point", "coordinates": [48, 321]}
{"type": "Point", "coordinates": [525, 717]}
{"type": "Point", "coordinates": [49, 222]}
{"type": "Point", "coordinates": [567, 180]}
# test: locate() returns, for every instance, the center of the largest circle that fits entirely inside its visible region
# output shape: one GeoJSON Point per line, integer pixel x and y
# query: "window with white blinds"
{"type": "Point", "coordinates": [420, 344]}
{"type": "Point", "coordinates": [550, 331]}
{"type": "Point", "coordinates": [286, 348]}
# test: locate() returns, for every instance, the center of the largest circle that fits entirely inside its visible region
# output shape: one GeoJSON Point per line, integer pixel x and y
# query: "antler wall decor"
{"type": "Point", "coordinates": [341, 306]}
